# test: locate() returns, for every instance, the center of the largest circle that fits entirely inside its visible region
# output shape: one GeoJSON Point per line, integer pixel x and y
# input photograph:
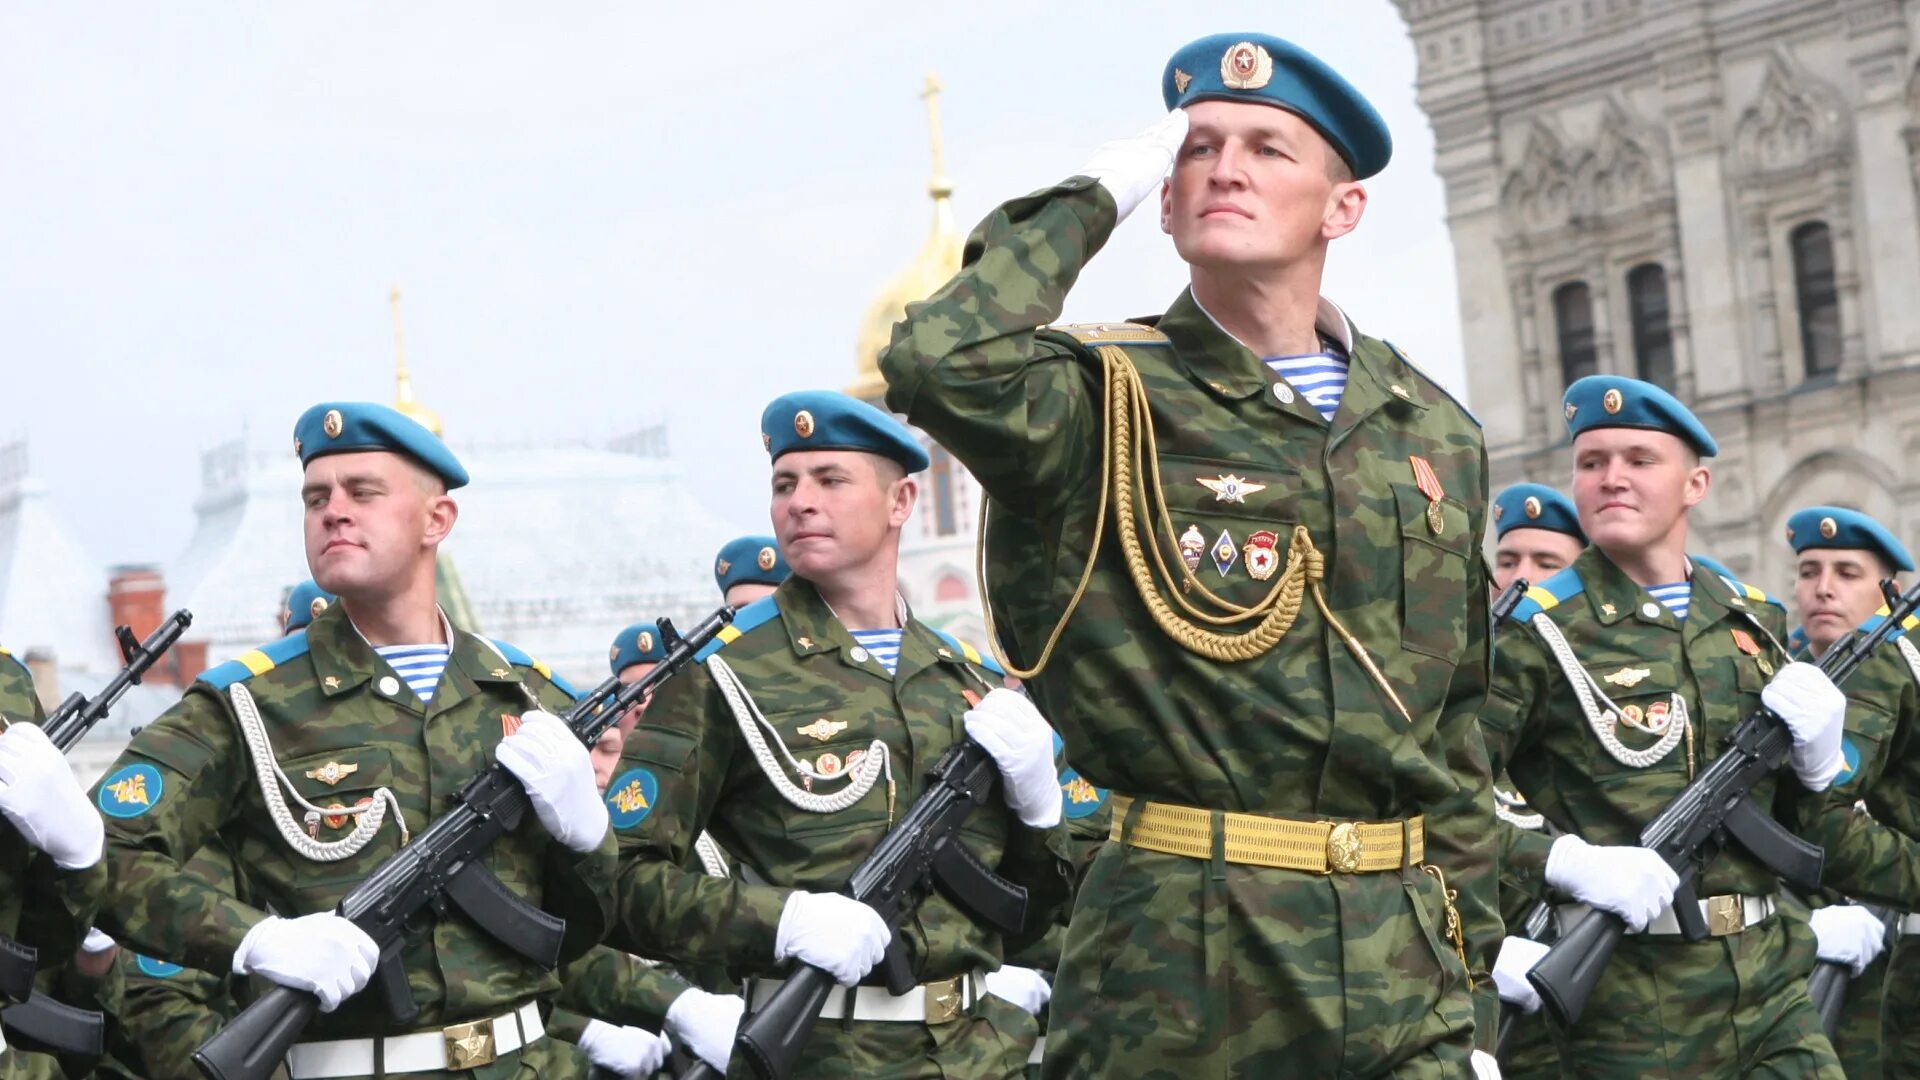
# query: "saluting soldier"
{"type": "Point", "coordinates": [1237, 548]}
{"type": "Point", "coordinates": [1616, 682]}
{"type": "Point", "coordinates": [748, 568]}
{"type": "Point", "coordinates": [799, 741]}
{"type": "Point", "coordinates": [1868, 820]}
{"type": "Point", "coordinates": [318, 755]}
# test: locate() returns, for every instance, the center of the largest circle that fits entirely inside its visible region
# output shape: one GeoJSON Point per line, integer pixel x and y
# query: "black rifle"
{"type": "Point", "coordinates": [65, 727]}
{"type": "Point", "coordinates": [443, 866]}
{"type": "Point", "coordinates": [46, 1026]}
{"type": "Point", "coordinates": [1693, 830]}
{"type": "Point", "coordinates": [1828, 984]}
{"type": "Point", "coordinates": [923, 849]}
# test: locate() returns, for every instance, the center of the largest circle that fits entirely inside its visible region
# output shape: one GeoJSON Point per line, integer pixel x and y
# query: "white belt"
{"type": "Point", "coordinates": [1910, 923]}
{"type": "Point", "coordinates": [1723, 915]}
{"type": "Point", "coordinates": [932, 1003]}
{"type": "Point", "coordinates": [1039, 1050]}
{"type": "Point", "coordinates": [460, 1046]}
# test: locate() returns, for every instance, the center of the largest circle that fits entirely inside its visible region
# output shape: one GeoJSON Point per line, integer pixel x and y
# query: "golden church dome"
{"type": "Point", "coordinates": [935, 264]}
{"type": "Point", "coordinates": [403, 399]}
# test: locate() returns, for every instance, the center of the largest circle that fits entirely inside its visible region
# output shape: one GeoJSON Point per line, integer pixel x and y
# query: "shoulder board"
{"type": "Point", "coordinates": [518, 658]}
{"type": "Point", "coordinates": [256, 661]}
{"type": "Point", "coordinates": [1123, 333]}
{"type": "Point", "coordinates": [1549, 594]}
{"type": "Point", "coordinates": [1431, 381]}
{"type": "Point", "coordinates": [1758, 596]}
{"type": "Point", "coordinates": [754, 615]}
{"type": "Point", "coordinates": [973, 656]}
{"type": "Point", "coordinates": [1907, 626]}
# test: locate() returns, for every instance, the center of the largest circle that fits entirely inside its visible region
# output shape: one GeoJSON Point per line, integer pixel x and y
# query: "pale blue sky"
{"type": "Point", "coordinates": [601, 214]}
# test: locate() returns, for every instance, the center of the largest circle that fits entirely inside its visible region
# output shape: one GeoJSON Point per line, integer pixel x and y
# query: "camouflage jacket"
{"type": "Point", "coordinates": [616, 988]}
{"type": "Point", "coordinates": [1873, 856]}
{"type": "Point", "coordinates": [687, 768]}
{"type": "Point", "coordinates": [41, 904]}
{"type": "Point", "coordinates": [342, 725]}
{"type": "Point", "coordinates": [1301, 731]}
{"type": "Point", "coordinates": [1717, 659]}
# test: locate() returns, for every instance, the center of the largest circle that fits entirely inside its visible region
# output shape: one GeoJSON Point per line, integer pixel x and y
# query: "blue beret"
{"type": "Point", "coordinates": [1265, 70]}
{"type": "Point", "coordinates": [637, 644]}
{"type": "Point", "coordinates": [1838, 527]}
{"type": "Point", "coordinates": [749, 560]}
{"type": "Point", "coordinates": [305, 602]}
{"type": "Point", "coordinates": [1615, 401]}
{"type": "Point", "coordinates": [830, 420]}
{"type": "Point", "coordinates": [347, 427]}
{"type": "Point", "coordinates": [1535, 506]}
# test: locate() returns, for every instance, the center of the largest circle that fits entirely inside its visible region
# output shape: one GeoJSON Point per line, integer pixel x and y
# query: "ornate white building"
{"type": "Point", "coordinates": [1717, 195]}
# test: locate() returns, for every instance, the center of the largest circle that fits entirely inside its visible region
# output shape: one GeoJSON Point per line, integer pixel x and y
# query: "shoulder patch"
{"type": "Point", "coordinates": [1431, 381]}
{"type": "Point", "coordinates": [1549, 594]}
{"type": "Point", "coordinates": [130, 791]}
{"type": "Point", "coordinates": [972, 655]}
{"type": "Point", "coordinates": [256, 661]}
{"type": "Point", "coordinates": [631, 797]}
{"type": "Point", "coordinates": [156, 969]}
{"type": "Point", "coordinates": [1121, 333]}
{"type": "Point", "coordinates": [1873, 622]}
{"type": "Point", "coordinates": [753, 616]}
{"type": "Point", "coordinates": [518, 658]}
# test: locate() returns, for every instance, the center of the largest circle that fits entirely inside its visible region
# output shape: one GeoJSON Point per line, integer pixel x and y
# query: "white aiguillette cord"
{"type": "Point", "coordinates": [266, 770]}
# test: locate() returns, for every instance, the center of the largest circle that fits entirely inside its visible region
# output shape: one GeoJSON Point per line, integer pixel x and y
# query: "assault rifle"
{"type": "Point", "coordinates": [1828, 984]}
{"type": "Point", "coordinates": [1693, 830]}
{"type": "Point", "coordinates": [443, 865]}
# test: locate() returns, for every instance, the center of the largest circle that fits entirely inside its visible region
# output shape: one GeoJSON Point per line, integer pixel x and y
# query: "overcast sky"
{"type": "Point", "coordinates": [601, 215]}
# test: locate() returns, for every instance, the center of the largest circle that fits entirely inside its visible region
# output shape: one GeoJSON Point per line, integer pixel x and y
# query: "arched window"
{"type": "Point", "coordinates": [946, 521]}
{"type": "Point", "coordinates": [1652, 334]}
{"type": "Point", "coordinates": [1817, 297]}
{"type": "Point", "coordinates": [1573, 322]}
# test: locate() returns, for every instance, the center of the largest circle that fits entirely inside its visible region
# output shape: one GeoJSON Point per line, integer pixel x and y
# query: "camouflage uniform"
{"type": "Point", "coordinates": [326, 698]}
{"type": "Point", "coordinates": [1229, 969]}
{"type": "Point", "coordinates": [41, 905]}
{"type": "Point", "coordinates": [687, 768]}
{"type": "Point", "coordinates": [1725, 1006]}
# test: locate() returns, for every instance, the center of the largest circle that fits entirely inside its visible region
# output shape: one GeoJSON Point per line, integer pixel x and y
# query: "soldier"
{"type": "Point", "coordinates": [1536, 534]}
{"type": "Point", "coordinates": [1617, 681]}
{"type": "Point", "coordinates": [366, 721]}
{"type": "Point", "coordinates": [1292, 751]}
{"type": "Point", "coordinates": [1867, 821]}
{"type": "Point", "coordinates": [51, 873]}
{"type": "Point", "coordinates": [747, 569]}
{"type": "Point", "coordinates": [799, 741]}
{"type": "Point", "coordinates": [305, 602]}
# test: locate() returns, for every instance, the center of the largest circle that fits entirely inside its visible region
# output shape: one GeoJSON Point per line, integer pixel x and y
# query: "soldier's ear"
{"type": "Point", "coordinates": [1698, 481]}
{"type": "Point", "coordinates": [903, 493]}
{"type": "Point", "coordinates": [442, 512]}
{"type": "Point", "coordinates": [1166, 206]}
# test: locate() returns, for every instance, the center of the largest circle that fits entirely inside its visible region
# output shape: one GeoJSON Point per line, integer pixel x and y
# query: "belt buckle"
{"type": "Point", "coordinates": [943, 1000]}
{"type": "Point", "coordinates": [1726, 915]}
{"type": "Point", "coordinates": [1343, 848]}
{"type": "Point", "coordinates": [469, 1045]}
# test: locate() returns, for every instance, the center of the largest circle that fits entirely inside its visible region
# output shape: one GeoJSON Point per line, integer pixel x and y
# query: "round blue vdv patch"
{"type": "Point", "coordinates": [1078, 798]}
{"type": "Point", "coordinates": [130, 791]}
{"type": "Point", "coordinates": [1851, 770]}
{"type": "Point", "coordinates": [159, 969]}
{"type": "Point", "coordinates": [631, 796]}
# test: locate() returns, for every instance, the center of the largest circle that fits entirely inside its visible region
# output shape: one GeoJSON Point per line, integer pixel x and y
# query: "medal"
{"type": "Point", "coordinates": [1262, 557]}
{"type": "Point", "coordinates": [1224, 553]}
{"type": "Point", "coordinates": [1192, 545]}
{"type": "Point", "coordinates": [1429, 483]}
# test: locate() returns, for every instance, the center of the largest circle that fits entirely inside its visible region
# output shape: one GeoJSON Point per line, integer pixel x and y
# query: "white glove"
{"type": "Point", "coordinates": [1815, 711]}
{"type": "Point", "coordinates": [1850, 935]}
{"type": "Point", "coordinates": [40, 796]}
{"type": "Point", "coordinates": [834, 933]}
{"type": "Point", "coordinates": [1485, 1066]}
{"type": "Point", "coordinates": [96, 941]}
{"type": "Point", "coordinates": [1131, 169]}
{"type": "Point", "coordinates": [624, 1051]}
{"type": "Point", "coordinates": [706, 1023]}
{"type": "Point", "coordinates": [1025, 987]}
{"type": "Point", "coordinates": [1631, 882]}
{"type": "Point", "coordinates": [323, 954]}
{"type": "Point", "coordinates": [1517, 957]}
{"type": "Point", "coordinates": [1006, 725]}
{"type": "Point", "coordinates": [555, 768]}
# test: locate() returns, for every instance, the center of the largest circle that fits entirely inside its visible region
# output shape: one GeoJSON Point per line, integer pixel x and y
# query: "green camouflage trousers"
{"type": "Point", "coordinates": [1734, 1006]}
{"type": "Point", "coordinates": [991, 1043]}
{"type": "Point", "coordinates": [1900, 1011]}
{"type": "Point", "coordinates": [1858, 1040]}
{"type": "Point", "coordinates": [1183, 969]}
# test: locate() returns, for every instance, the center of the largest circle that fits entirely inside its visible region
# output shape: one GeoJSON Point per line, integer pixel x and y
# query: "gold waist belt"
{"type": "Point", "coordinates": [1317, 847]}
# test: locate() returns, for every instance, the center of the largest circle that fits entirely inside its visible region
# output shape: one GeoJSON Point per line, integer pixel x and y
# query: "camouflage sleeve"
{"type": "Point", "coordinates": [165, 1013]}
{"type": "Point", "coordinates": [619, 988]}
{"type": "Point", "coordinates": [967, 368]}
{"type": "Point", "coordinates": [566, 1025]}
{"type": "Point", "coordinates": [670, 779]}
{"type": "Point", "coordinates": [17, 699]}
{"type": "Point", "coordinates": [577, 886]}
{"type": "Point", "coordinates": [1871, 855]}
{"type": "Point", "coordinates": [1516, 693]}
{"type": "Point", "coordinates": [58, 905]}
{"type": "Point", "coordinates": [169, 793]}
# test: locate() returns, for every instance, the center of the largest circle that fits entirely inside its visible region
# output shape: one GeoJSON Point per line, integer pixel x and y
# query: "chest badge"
{"type": "Point", "coordinates": [1193, 545]}
{"type": "Point", "coordinates": [1230, 488]}
{"type": "Point", "coordinates": [1263, 558]}
{"type": "Point", "coordinates": [823, 729]}
{"type": "Point", "coordinates": [1224, 553]}
{"type": "Point", "coordinates": [333, 772]}
{"type": "Point", "coordinates": [1745, 643]}
{"type": "Point", "coordinates": [1627, 677]}
{"type": "Point", "coordinates": [1429, 484]}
